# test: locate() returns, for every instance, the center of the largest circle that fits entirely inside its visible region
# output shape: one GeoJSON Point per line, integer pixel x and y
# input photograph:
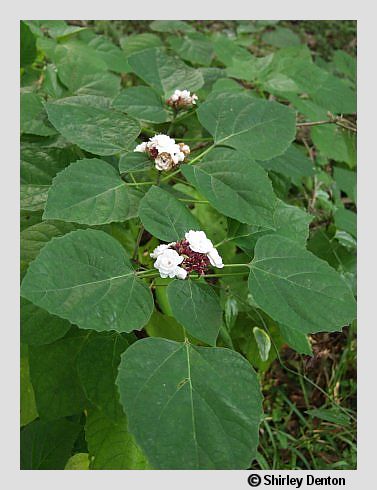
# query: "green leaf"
{"type": "Point", "coordinates": [196, 306]}
{"type": "Point", "coordinates": [213, 392]}
{"type": "Point", "coordinates": [39, 164]}
{"type": "Point", "coordinates": [194, 48]}
{"type": "Point", "coordinates": [86, 278]}
{"type": "Point", "coordinates": [346, 220]}
{"type": "Point", "coordinates": [296, 339]}
{"type": "Point", "coordinates": [246, 124]}
{"type": "Point", "coordinates": [58, 392]}
{"type": "Point", "coordinates": [134, 162]}
{"type": "Point", "coordinates": [297, 289]}
{"type": "Point", "coordinates": [164, 216]}
{"type": "Point", "coordinates": [346, 181]}
{"type": "Point", "coordinates": [79, 461]}
{"type": "Point", "coordinates": [35, 237]}
{"type": "Point", "coordinates": [345, 64]}
{"type": "Point", "coordinates": [47, 445]}
{"type": "Point", "coordinates": [263, 342]}
{"type": "Point", "coordinates": [234, 185]}
{"type": "Point", "coordinates": [33, 116]}
{"type": "Point", "coordinates": [288, 221]}
{"type": "Point", "coordinates": [97, 366]}
{"type": "Point", "coordinates": [335, 143]}
{"type": "Point", "coordinates": [164, 326]}
{"type": "Point", "coordinates": [28, 50]}
{"type": "Point", "coordinates": [281, 37]}
{"type": "Point", "coordinates": [89, 191]}
{"type": "Point", "coordinates": [111, 54]}
{"type": "Point", "coordinates": [164, 73]}
{"type": "Point", "coordinates": [142, 103]}
{"type": "Point", "coordinates": [27, 399]}
{"type": "Point", "coordinates": [38, 327]}
{"type": "Point", "coordinates": [171, 26]}
{"type": "Point", "coordinates": [83, 70]}
{"type": "Point", "coordinates": [98, 130]}
{"type": "Point", "coordinates": [111, 446]}
{"type": "Point", "coordinates": [292, 163]}
{"type": "Point", "coordinates": [138, 42]}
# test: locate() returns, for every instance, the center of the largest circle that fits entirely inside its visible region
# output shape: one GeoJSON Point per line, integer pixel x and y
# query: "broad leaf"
{"type": "Point", "coordinates": [164, 216]}
{"type": "Point", "coordinates": [138, 42]}
{"type": "Point", "coordinates": [194, 48]}
{"type": "Point", "coordinates": [112, 55]}
{"type": "Point", "coordinates": [98, 130]}
{"type": "Point", "coordinates": [27, 399]}
{"type": "Point", "coordinates": [86, 277]}
{"type": "Point", "coordinates": [164, 73]}
{"type": "Point", "coordinates": [288, 221]}
{"type": "Point", "coordinates": [33, 116]}
{"type": "Point", "coordinates": [89, 191]}
{"type": "Point", "coordinates": [346, 181]}
{"type": "Point", "coordinates": [28, 50]}
{"type": "Point", "coordinates": [213, 392]}
{"type": "Point", "coordinates": [111, 446]}
{"type": "Point", "coordinates": [47, 445]}
{"type": "Point", "coordinates": [235, 185]}
{"type": "Point", "coordinates": [142, 103]}
{"type": "Point", "coordinates": [292, 163]}
{"type": "Point", "coordinates": [38, 327]}
{"type": "Point", "coordinates": [297, 289]}
{"type": "Point", "coordinates": [39, 164]}
{"type": "Point", "coordinates": [296, 339]}
{"type": "Point", "coordinates": [134, 162]}
{"type": "Point", "coordinates": [246, 124]}
{"type": "Point", "coordinates": [196, 307]}
{"type": "Point", "coordinates": [79, 461]}
{"type": "Point", "coordinates": [97, 366]}
{"type": "Point", "coordinates": [346, 220]}
{"type": "Point", "coordinates": [53, 373]}
{"type": "Point", "coordinates": [83, 70]}
{"type": "Point", "coordinates": [35, 237]}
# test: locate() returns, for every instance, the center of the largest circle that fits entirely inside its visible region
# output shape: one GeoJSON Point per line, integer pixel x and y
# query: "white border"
{"type": "Point", "coordinates": [11, 14]}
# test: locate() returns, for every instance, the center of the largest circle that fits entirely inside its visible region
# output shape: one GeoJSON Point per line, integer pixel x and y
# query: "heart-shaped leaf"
{"type": "Point", "coordinates": [247, 123]}
{"type": "Point", "coordinates": [298, 289]}
{"type": "Point", "coordinates": [164, 216]}
{"type": "Point", "coordinates": [196, 307]}
{"type": "Point", "coordinates": [86, 277]}
{"type": "Point", "coordinates": [213, 392]}
{"type": "Point", "coordinates": [89, 191]}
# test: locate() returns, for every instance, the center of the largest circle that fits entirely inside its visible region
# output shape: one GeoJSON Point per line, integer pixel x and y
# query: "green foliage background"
{"type": "Point", "coordinates": [124, 370]}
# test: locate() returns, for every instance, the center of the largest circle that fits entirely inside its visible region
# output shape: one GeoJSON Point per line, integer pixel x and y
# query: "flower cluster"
{"type": "Point", "coordinates": [195, 253]}
{"type": "Point", "coordinates": [182, 99]}
{"type": "Point", "coordinates": [166, 153]}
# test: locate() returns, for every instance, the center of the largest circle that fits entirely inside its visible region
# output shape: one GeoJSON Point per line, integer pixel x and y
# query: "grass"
{"type": "Point", "coordinates": [290, 438]}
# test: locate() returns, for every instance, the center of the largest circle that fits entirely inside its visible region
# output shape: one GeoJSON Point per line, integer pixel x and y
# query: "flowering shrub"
{"type": "Point", "coordinates": [186, 213]}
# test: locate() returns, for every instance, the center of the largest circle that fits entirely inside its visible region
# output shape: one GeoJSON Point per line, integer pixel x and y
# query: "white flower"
{"type": "Point", "coordinates": [163, 143]}
{"type": "Point", "coordinates": [167, 263]}
{"type": "Point", "coordinates": [142, 147]}
{"type": "Point", "coordinates": [182, 98]}
{"type": "Point", "coordinates": [180, 273]}
{"type": "Point", "coordinates": [159, 250]}
{"type": "Point", "coordinates": [199, 242]}
{"type": "Point", "coordinates": [215, 258]}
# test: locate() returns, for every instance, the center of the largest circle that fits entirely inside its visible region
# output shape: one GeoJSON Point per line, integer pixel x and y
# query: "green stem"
{"type": "Point", "coordinates": [198, 157]}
